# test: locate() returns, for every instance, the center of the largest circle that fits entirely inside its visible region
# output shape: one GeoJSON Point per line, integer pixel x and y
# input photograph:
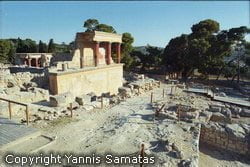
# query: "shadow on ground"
{"type": "Point", "coordinates": [222, 154]}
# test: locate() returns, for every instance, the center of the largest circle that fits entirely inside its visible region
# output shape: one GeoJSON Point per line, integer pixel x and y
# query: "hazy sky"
{"type": "Point", "coordinates": [153, 23]}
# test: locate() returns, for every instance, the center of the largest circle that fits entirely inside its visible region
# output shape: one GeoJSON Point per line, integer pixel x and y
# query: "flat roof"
{"type": "Point", "coordinates": [99, 36]}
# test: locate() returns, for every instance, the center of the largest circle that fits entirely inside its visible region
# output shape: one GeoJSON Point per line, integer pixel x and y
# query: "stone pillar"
{"type": "Point", "coordinates": [29, 62]}
{"type": "Point", "coordinates": [108, 48]}
{"type": "Point", "coordinates": [96, 52]}
{"type": "Point", "coordinates": [118, 52]}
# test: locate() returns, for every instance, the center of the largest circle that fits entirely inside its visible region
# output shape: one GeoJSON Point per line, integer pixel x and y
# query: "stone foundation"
{"type": "Point", "coordinates": [231, 137]}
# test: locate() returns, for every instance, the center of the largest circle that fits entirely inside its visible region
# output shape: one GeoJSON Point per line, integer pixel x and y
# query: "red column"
{"type": "Point", "coordinates": [96, 52]}
{"type": "Point", "coordinates": [81, 56]}
{"type": "Point", "coordinates": [118, 48]}
{"type": "Point", "coordinates": [108, 53]}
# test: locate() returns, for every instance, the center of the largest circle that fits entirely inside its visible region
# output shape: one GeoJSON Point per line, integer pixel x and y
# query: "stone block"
{"type": "Point", "coordinates": [219, 117]}
{"type": "Point", "coordinates": [88, 107]}
{"type": "Point", "coordinates": [245, 113]}
{"type": "Point", "coordinates": [57, 101]}
{"type": "Point", "coordinates": [235, 130]}
{"type": "Point", "coordinates": [93, 96]}
{"type": "Point", "coordinates": [106, 102]}
{"type": "Point", "coordinates": [215, 108]}
{"type": "Point", "coordinates": [235, 110]}
{"type": "Point", "coordinates": [84, 99]}
{"type": "Point", "coordinates": [61, 100]}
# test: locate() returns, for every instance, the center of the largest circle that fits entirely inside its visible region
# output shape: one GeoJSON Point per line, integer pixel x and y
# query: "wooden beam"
{"type": "Point", "coordinates": [142, 153]}
{"type": "Point", "coordinates": [151, 98]}
{"type": "Point", "coordinates": [27, 115]}
{"type": "Point", "coordinates": [71, 110]}
{"type": "Point", "coordinates": [10, 111]}
{"type": "Point", "coordinates": [101, 102]}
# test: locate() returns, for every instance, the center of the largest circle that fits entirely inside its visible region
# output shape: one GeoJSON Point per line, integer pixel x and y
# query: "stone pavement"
{"type": "Point", "coordinates": [220, 98]}
{"type": "Point", "coordinates": [12, 133]}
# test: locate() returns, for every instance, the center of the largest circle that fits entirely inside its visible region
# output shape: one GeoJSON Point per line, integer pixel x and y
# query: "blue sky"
{"type": "Point", "coordinates": [153, 23]}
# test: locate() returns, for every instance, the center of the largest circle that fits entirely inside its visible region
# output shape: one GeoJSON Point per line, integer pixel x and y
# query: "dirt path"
{"type": "Point", "coordinates": [89, 130]}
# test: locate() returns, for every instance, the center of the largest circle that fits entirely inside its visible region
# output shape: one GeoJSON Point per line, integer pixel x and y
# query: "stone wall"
{"type": "Point", "coordinates": [230, 137]}
{"type": "Point", "coordinates": [20, 78]}
{"type": "Point", "coordinates": [83, 81]}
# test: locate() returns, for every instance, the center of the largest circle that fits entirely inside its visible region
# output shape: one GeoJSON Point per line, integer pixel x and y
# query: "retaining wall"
{"type": "Point", "coordinates": [225, 138]}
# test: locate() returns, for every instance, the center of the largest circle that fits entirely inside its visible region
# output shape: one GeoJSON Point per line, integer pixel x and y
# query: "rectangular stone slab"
{"type": "Point", "coordinates": [13, 133]}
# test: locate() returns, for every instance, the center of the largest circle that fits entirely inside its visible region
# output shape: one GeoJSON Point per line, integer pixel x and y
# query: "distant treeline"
{"type": "Point", "coordinates": [8, 48]}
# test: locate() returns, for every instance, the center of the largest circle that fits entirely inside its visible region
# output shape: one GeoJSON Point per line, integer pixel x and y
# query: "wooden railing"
{"type": "Point", "coordinates": [18, 103]}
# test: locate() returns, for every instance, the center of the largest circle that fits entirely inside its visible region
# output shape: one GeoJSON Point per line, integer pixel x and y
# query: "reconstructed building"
{"type": "Point", "coordinates": [92, 68]}
{"type": "Point", "coordinates": [33, 59]}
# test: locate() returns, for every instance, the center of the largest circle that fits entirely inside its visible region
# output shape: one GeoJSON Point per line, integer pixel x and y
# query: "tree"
{"type": "Point", "coordinates": [154, 55]}
{"type": "Point", "coordinates": [204, 49]}
{"type": "Point", "coordinates": [127, 41]}
{"type": "Point", "coordinates": [105, 28]}
{"type": "Point", "coordinates": [6, 51]}
{"type": "Point", "coordinates": [42, 47]}
{"type": "Point", "coordinates": [26, 46]}
{"type": "Point", "coordinates": [247, 52]}
{"type": "Point", "coordinates": [51, 46]}
{"type": "Point", "coordinates": [176, 56]}
{"type": "Point", "coordinates": [94, 25]}
{"type": "Point", "coordinates": [126, 49]}
{"type": "Point", "coordinates": [201, 43]}
{"type": "Point", "coordinates": [90, 25]}
{"type": "Point", "coordinates": [205, 28]}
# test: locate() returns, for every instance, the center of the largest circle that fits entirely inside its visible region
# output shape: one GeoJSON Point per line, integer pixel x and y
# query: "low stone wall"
{"type": "Point", "coordinates": [231, 137]}
{"type": "Point", "coordinates": [106, 79]}
{"type": "Point", "coordinates": [19, 78]}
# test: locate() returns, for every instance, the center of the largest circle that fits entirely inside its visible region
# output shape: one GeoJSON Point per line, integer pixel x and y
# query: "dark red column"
{"type": "Point", "coordinates": [108, 53]}
{"type": "Point", "coordinates": [118, 51]}
{"type": "Point", "coordinates": [81, 56]}
{"type": "Point", "coordinates": [96, 52]}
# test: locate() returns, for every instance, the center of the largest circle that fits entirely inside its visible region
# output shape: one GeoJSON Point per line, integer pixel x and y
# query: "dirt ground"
{"type": "Point", "coordinates": [218, 158]}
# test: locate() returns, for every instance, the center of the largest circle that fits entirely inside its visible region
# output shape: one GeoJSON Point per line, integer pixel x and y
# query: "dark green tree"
{"type": "Point", "coordinates": [94, 25]}
{"type": "Point", "coordinates": [105, 28]}
{"type": "Point", "coordinates": [42, 47]}
{"type": "Point", "coordinates": [176, 56]}
{"type": "Point", "coordinates": [26, 46]}
{"type": "Point", "coordinates": [7, 51]}
{"type": "Point", "coordinates": [205, 28]}
{"type": "Point", "coordinates": [51, 46]}
{"type": "Point", "coordinates": [90, 24]}
{"type": "Point", "coordinates": [126, 49]}
{"type": "Point", "coordinates": [204, 49]}
{"type": "Point", "coordinates": [247, 52]}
